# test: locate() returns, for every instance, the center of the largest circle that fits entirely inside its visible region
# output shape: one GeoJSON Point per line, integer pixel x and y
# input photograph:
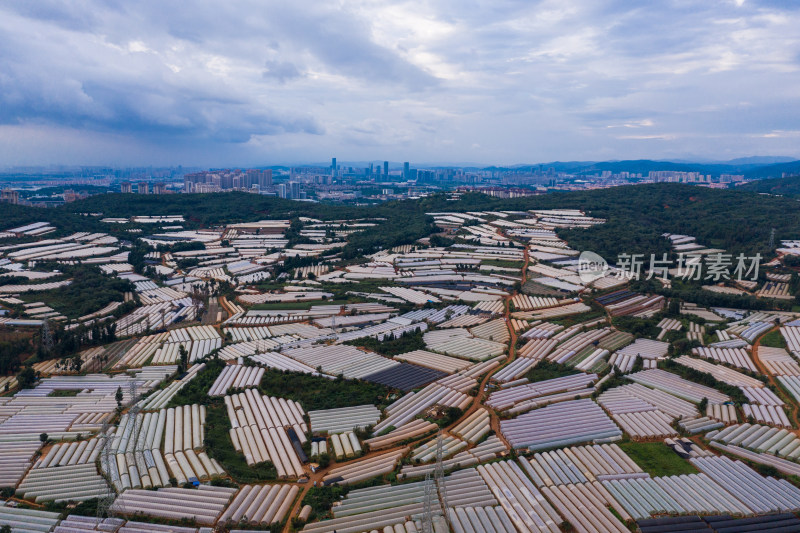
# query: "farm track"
{"type": "Point", "coordinates": [476, 404]}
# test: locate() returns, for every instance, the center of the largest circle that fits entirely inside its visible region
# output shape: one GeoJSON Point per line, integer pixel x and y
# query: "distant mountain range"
{"type": "Point", "coordinates": [751, 167]}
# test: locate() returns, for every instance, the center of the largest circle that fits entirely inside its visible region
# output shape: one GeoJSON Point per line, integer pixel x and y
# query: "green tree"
{"type": "Point", "coordinates": [26, 378]}
{"type": "Point", "coordinates": [184, 359]}
{"type": "Point", "coordinates": [118, 396]}
{"type": "Point", "coordinates": [674, 308]}
{"type": "Point", "coordinates": [43, 438]}
{"type": "Point", "coordinates": [72, 363]}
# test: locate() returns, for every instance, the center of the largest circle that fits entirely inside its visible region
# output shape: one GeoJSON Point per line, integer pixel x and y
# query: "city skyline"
{"type": "Point", "coordinates": [258, 84]}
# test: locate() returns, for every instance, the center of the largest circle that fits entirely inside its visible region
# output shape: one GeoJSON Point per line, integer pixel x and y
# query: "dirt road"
{"type": "Point", "coordinates": [476, 404]}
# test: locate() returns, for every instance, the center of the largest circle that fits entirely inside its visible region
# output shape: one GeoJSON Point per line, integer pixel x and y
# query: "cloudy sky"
{"type": "Point", "coordinates": [237, 82]}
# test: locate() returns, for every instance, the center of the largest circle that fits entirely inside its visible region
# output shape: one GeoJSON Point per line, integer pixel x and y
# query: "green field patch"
{"type": "Point", "coordinates": [773, 339]}
{"type": "Point", "coordinates": [314, 392]}
{"type": "Point", "coordinates": [657, 458]}
{"type": "Point", "coordinates": [288, 306]}
{"type": "Point", "coordinates": [503, 263]}
{"type": "Point", "coordinates": [548, 370]}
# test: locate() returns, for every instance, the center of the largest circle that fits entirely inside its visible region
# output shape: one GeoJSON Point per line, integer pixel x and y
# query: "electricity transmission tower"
{"type": "Point", "coordinates": [439, 474]}
{"type": "Point", "coordinates": [47, 337]}
{"type": "Point", "coordinates": [133, 416]}
{"type": "Point", "coordinates": [105, 501]}
{"type": "Point", "coordinates": [135, 425]}
{"type": "Point", "coordinates": [427, 506]}
{"type": "Point", "coordinates": [435, 489]}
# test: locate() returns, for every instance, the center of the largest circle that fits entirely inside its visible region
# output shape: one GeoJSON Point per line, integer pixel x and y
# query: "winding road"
{"type": "Point", "coordinates": [476, 404]}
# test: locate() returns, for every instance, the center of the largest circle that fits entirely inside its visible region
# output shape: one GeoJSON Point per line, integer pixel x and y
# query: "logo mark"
{"type": "Point", "coordinates": [591, 267]}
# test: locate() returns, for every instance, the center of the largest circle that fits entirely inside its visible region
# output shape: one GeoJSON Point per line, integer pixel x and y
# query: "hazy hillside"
{"type": "Point", "coordinates": [774, 171]}
{"type": "Point", "coordinates": [736, 220]}
{"type": "Point", "coordinates": [784, 186]}
{"type": "Point", "coordinates": [637, 215]}
{"type": "Point", "coordinates": [753, 167]}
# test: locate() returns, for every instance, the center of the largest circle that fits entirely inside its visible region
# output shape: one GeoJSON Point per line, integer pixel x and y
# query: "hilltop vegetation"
{"type": "Point", "coordinates": [789, 186]}
{"type": "Point", "coordinates": [637, 215]}
{"type": "Point", "coordinates": [89, 291]}
{"type": "Point", "coordinates": [397, 224]}
{"type": "Point", "coordinates": [314, 392]}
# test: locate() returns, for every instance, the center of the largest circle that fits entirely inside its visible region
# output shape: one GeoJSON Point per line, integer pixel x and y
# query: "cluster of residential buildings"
{"type": "Point", "coordinates": [366, 182]}
{"type": "Point", "coordinates": [12, 196]}
{"type": "Point", "coordinates": [228, 180]}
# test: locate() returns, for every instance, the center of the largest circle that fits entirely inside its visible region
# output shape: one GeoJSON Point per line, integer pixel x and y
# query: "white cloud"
{"type": "Point", "coordinates": [254, 81]}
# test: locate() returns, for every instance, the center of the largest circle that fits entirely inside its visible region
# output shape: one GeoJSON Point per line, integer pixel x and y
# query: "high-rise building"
{"type": "Point", "coordinates": [385, 168]}
{"type": "Point", "coordinates": [159, 188]}
{"type": "Point", "coordinates": [282, 190]}
{"type": "Point", "coordinates": [295, 189]}
{"type": "Point", "coordinates": [10, 196]}
{"type": "Point", "coordinates": [125, 187]}
{"type": "Point", "coordinates": [265, 179]}
{"type": "Point", "coordinates": [333, 166]}
{"type": "Point", "coordinates": [406, 171]}
{"type": "Point", "coordinates": [142, 187]}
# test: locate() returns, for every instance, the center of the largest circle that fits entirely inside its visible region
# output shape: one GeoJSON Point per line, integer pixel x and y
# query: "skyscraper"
{"type": "Point", "coordinates": [406, 171]}
{"type": "Point", "coordinates": [333, 166]}
{"type": "Point", "coordinates": [385, 168]}
{"type": "Point", "coordinates": [125, 187]}
{"type": "Point", "coordinates": [265, 178]}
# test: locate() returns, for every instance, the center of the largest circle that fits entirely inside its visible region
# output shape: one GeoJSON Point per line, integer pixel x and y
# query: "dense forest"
{"type": "Point", "coordinates": [398, 223]}
{"type": "Point", "coordinates": [11, 350]}
{"type": "Point", "coordinates": [89, 291]}
{"type": "Point", "coordinates": [637, 215]}
{"type": "Point", "coordinates": [789, 186]}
